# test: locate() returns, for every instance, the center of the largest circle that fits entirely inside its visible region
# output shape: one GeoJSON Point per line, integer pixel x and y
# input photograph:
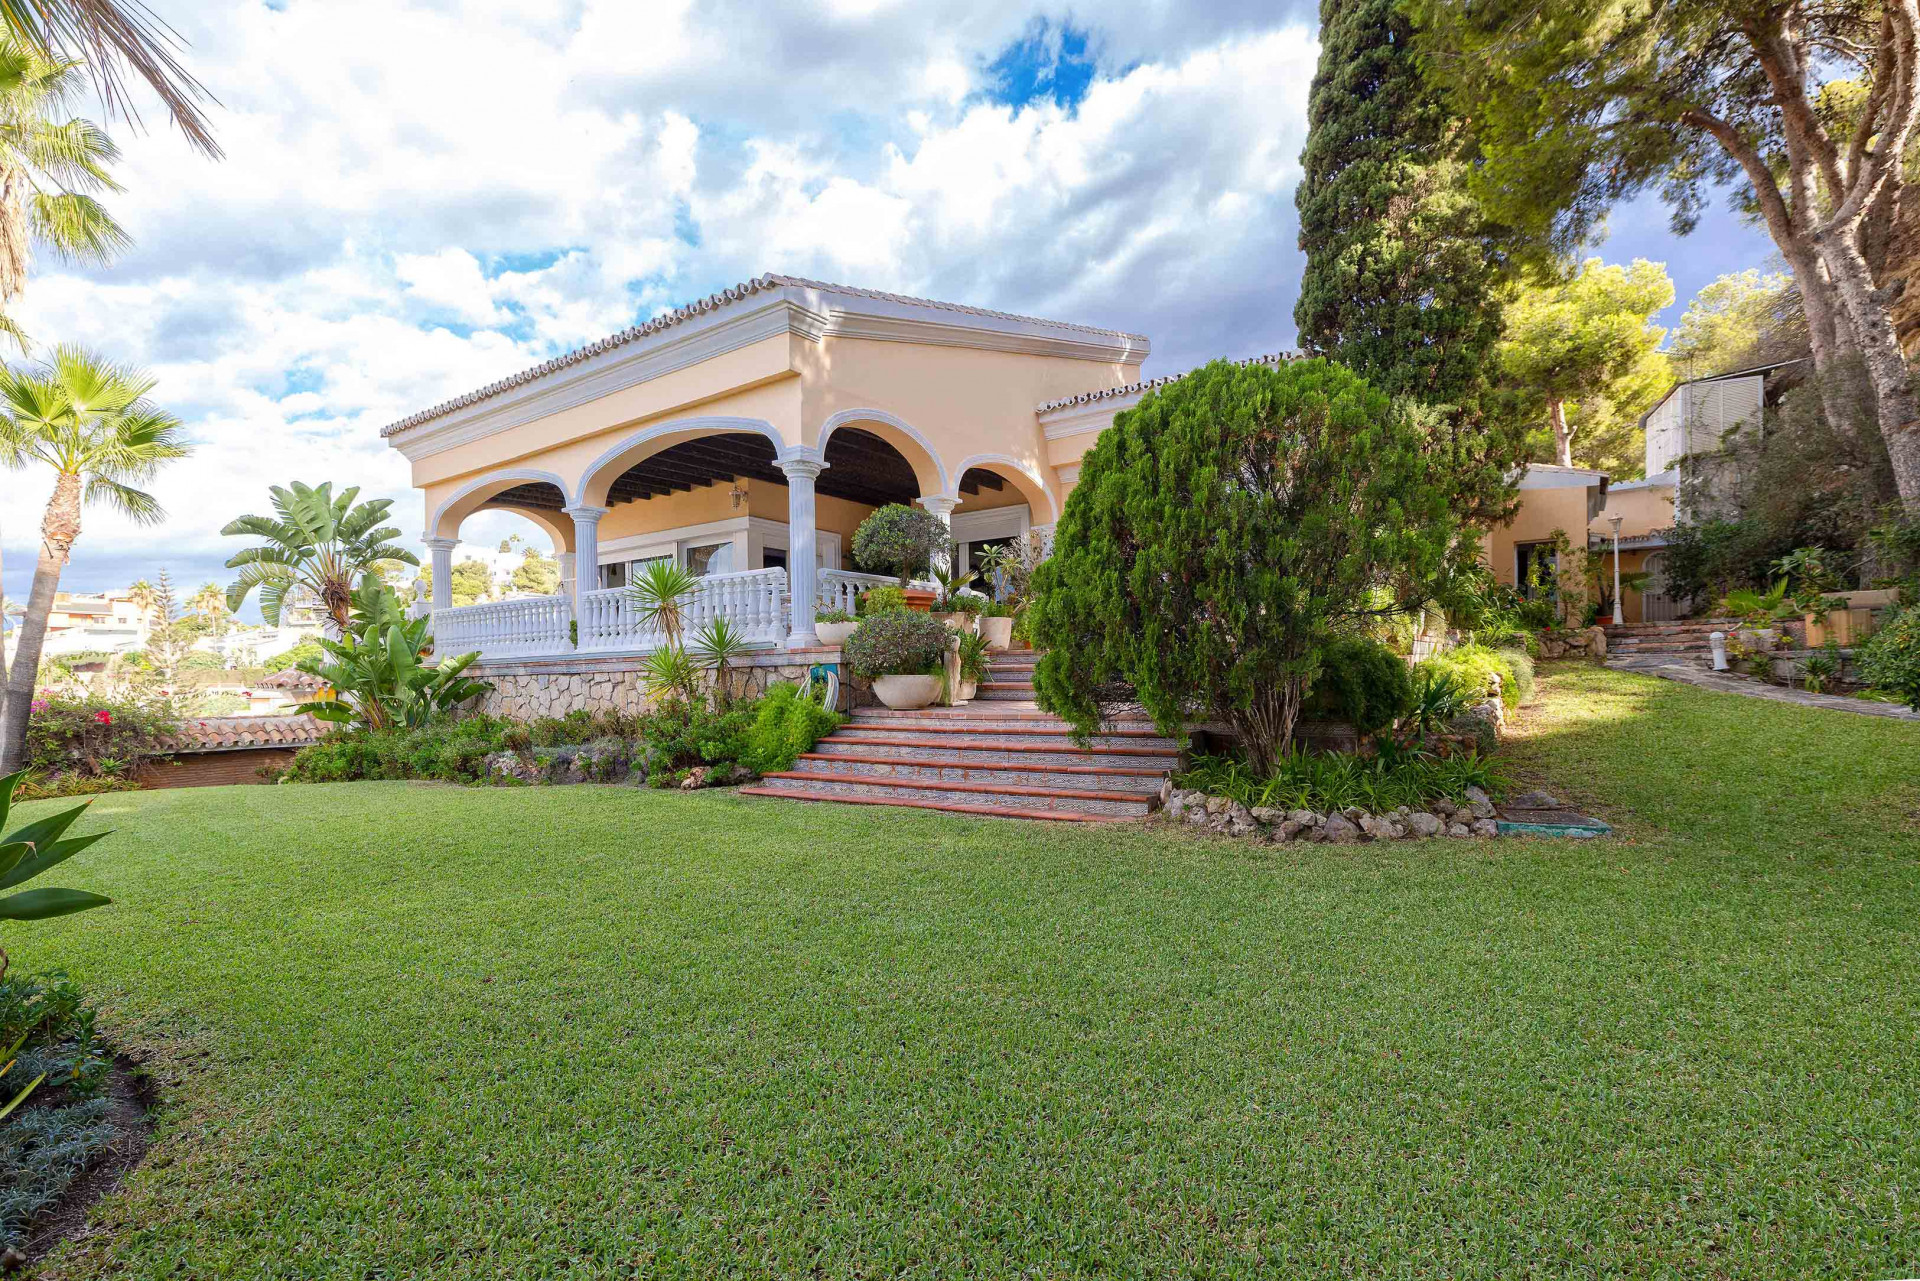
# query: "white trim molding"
{"type": "Point", "coordinates": [1078, 420]}
{"type": "Point", "coordinates": [710, 424]}
{"type": "Point", "coordinates": [1024, 469]}
{"type": "Point", "coordinates": [856, 416]}
{"type": "Point", "coordinates": [514, 475]}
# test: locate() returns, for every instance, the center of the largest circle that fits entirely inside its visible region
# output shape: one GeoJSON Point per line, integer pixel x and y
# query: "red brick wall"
{"type": "Point", "coordinates": [216, 769]}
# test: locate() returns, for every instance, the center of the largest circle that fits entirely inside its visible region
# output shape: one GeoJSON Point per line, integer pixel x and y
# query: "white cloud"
{"type": "Point", "coordinates": [404, 218]}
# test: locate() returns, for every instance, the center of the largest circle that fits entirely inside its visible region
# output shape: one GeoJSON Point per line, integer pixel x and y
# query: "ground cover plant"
{"type": "Point", "coordinates": [1321, 781]}
{"type": "Point", "coordinates": [422, 1030]}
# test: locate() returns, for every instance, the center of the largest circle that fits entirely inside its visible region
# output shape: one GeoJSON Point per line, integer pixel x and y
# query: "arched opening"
{"type": "Point", "coordinates": [515, 540]}
{"type": "Point", "coordinates": [1000, 502]}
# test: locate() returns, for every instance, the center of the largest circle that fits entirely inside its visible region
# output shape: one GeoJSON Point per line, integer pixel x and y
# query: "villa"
{"type": "Point", "coordinates": [747, 435]}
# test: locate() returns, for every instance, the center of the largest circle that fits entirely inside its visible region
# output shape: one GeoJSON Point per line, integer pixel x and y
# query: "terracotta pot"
{"type": "Point", "coordinates": [998, 631]}
{"type": "Point", "coordinates": [920, 600]}
{"type": "Point", "coordinates": [905, 693]}
{"type": "Point", "coordinates": [834, 633]}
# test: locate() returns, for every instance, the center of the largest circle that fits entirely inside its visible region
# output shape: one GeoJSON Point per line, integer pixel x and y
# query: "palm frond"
{"type": "Point", "coordinates": [113, 38]}
{"type": "Point", "coordinates": [136, 504]}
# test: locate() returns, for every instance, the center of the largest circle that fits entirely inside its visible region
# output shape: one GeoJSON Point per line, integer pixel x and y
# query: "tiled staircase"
{"type": "Point", "coordinates": [1673, 640]}
{"type": "Point", "coordinates": [999, 755]}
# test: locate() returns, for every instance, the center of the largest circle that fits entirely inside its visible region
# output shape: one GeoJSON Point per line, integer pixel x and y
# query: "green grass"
{"type": "Point", "coordinates": [411, 1030]}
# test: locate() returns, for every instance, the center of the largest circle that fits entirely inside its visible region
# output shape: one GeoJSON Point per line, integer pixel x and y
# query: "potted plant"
{"type": "Point", "coordinates": [951, 605]}
{"type": "Point", "coordinates": [996, 624]}
{"type": "Point", "coordinates": [963, 612]}
{"type": "Point", "coordinates": [973, 665]}
{"type": "Point", "coordinates": [902, 540]}
{"type": "Point", "coordinates": [902, 653]}
{"type": "Point", "coordinates": [833, 626]}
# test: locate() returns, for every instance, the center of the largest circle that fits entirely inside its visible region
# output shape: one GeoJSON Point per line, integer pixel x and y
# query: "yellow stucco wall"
{"type": "Point", "coordinates": [1641, 511]}
{"type": "Point", "coordinates": [1541, 512]}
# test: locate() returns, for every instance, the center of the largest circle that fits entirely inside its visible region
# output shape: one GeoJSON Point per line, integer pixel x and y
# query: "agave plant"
{"type": "Point", "coordinates": [30, 851]}
{"type": "Point", "coordinates": [377, 673]}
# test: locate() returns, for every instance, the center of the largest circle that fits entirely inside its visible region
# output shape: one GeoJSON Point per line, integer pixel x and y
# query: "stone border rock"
{"type": "Point", "coordinates": [1219, 814]}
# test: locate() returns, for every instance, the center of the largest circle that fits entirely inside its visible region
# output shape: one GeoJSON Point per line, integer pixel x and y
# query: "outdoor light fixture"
{"type": "Point", "coordinates": [739, 495]}
{"type": "Point", "coordinates": [1618, 617]}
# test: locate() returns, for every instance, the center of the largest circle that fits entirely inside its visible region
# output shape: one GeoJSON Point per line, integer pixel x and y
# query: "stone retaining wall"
{"type": "Point", "coordinates": [524, 689]}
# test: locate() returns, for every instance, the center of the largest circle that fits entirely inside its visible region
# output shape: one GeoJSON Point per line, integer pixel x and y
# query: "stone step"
{"type": "Point", "coordinates": [1662, 647]}
{"type": "Point", "coordinates": [950, 807]}
{"type": "Point", "coordinates": [1702, 626]}
{"type": "Point", "coordinates": [1097, 804]}
{"type": "Point", "coordinates": [990, 755]}
{"type": "Point", "coordinates": [1005, 691]}
{"type": "Point", "coordinates": [1012, 735]}
{"type": "Point", "coordinates": [946, 769]}
{"type": "Point", "coordinates": [938, 715]}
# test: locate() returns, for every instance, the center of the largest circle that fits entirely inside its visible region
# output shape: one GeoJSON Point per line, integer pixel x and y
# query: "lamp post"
{"type": "Point", "coordinates": [1618, 617]}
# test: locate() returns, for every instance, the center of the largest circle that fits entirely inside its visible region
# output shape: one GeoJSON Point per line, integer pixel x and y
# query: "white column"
{"type": "Point", "coordinates": [942, 505]}
{"type": "Point", "coordinates": [442, 549]}
{"type": "Point", "coordinates": [801, 465]}
{"type": "Point", "coordinates": [586, 549]}
{"type": "Point", "coordinates": [567, 586]}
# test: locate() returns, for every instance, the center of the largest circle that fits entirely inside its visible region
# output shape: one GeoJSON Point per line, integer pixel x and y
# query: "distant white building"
{"type": "Point", "coordinates": [90, 622]}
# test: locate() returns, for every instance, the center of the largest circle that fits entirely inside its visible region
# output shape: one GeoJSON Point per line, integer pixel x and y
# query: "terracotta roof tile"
{"type": "Point", "coordinates": [713, 302]}
{"type": "Point", "coordinates": [291, 678]}
{"type": "Point", "coordinates": [227, 733]}
{"type": "Point", "coordinates": [1109, 393]}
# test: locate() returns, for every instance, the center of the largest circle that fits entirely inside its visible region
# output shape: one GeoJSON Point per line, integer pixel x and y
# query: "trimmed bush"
{"type": "Point", "coordinates": [879, 600]}
{"type": "Point", "coordinates": [897, 643]}
{"type": "Point", "coordinates": [900, 540]}
{"type": "Point", "coordinates": [1363, 682]}
{"type": "Point", "coordinates": [1890, 659]}
{"type": "Point", "coordinates": [74, 743]}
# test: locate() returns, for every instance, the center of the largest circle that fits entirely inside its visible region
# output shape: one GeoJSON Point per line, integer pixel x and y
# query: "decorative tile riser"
{"type": "Point", "coordinates": [1061, 741]}
{"type": "Point", "coordinates": [993, 759]}
{"type": "Point", "coordinates": [969, 717]}
{"type": "Point", "coordinates": [1058, 804]}
{"type": "Point", "coordinates": [907, 772]}
{"type": "Point", "coordinates": [1022, 695]}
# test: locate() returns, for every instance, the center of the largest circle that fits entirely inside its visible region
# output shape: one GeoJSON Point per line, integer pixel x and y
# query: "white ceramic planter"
{"type": "Point", "coordinates": [834, 633]}
{"type": "Point", "coordinates": [998, 631]}
{"type": "Point", "coordinates": [967, 690]}
{"type": "Point", "coordinates": [905, 693]}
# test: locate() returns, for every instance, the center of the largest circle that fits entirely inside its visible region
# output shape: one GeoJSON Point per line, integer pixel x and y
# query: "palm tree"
{"type": "Point", "coordinates": [210, 603]}
{"type": "Point", "coordinates": [91, 422]}
{"type": "Point", "coordinates": [111, 38]}
{"type": "Point", "coordinates": [320, 543]}
{"type": "Point", "coordinates": [50, 166]}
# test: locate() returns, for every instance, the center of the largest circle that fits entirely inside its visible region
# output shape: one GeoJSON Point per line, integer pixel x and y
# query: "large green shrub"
{"type": "Point", "coordinates": [788, 723]}
{"type": "Point", "coordinates": [1890, 658]}
{"type": "Point", "coordinates": [896, 643]}
{"type": "Point", "coordinates": [1226, 530]}
{"type": "Point", "coordinates": [898, 539]}
{"type": "Point", "coordinates": [377, 671]}
{"type": "Point", "coordinates": [1476, 665]}
{"type": "Point", "coordinates": [1363, 682]}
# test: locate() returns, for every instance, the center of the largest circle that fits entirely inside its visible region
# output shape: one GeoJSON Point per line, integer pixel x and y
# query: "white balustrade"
{"type": "Point", "coordinates": [839, 589]}
{"type": "Point", "coordinates": [754, 602]}
{"type": "Point", "coordinates": [528, 626]}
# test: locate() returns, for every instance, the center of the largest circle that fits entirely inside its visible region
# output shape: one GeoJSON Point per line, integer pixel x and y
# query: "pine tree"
{"type": "Point", "coordinates": [1404, 271]}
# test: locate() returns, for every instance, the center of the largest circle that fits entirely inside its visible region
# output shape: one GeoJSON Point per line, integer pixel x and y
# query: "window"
{"type": "Point", "coordinates": [1533, 570]}
{"type": "Point", "coordinates": [773, 558]}
{"type": "Point", "coordinates": [977, 555]}
{"type": "Point", "coordinates": [713, 558]}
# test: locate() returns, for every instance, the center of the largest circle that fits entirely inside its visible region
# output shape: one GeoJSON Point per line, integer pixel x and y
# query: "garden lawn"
{"type": "Point", "coordinates": [410, 1030]}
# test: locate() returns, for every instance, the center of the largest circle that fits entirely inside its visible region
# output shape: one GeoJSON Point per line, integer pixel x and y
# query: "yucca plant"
{"type": "Point", "coordinates": [660, 592]}
{"type": "Point", "coordinates": [718, 646]}
{"type": "Point", "coordinates": [670, 675]}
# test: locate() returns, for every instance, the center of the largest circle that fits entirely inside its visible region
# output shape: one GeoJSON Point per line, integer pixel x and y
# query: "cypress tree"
{"type": "Point", "coordinates": [1404, 269]}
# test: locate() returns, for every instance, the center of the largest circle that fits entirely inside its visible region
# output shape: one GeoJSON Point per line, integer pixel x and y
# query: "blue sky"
{"type": "Point", "coordinates": [403, 219]}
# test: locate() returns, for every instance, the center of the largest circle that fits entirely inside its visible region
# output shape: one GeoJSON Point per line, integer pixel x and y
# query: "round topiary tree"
{"type": "Point", "coordinates": [898, 539]}
{"type": "Point", "coordinates": [1224, 532]}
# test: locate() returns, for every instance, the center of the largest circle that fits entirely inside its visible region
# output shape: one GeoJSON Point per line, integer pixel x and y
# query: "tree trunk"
{"type": "Point", "coordinates": [1562, 434]}
{"type": "Point", "coordinates": [58, 529]}
{"type": "Point", "coordinates": [1896, 408]}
